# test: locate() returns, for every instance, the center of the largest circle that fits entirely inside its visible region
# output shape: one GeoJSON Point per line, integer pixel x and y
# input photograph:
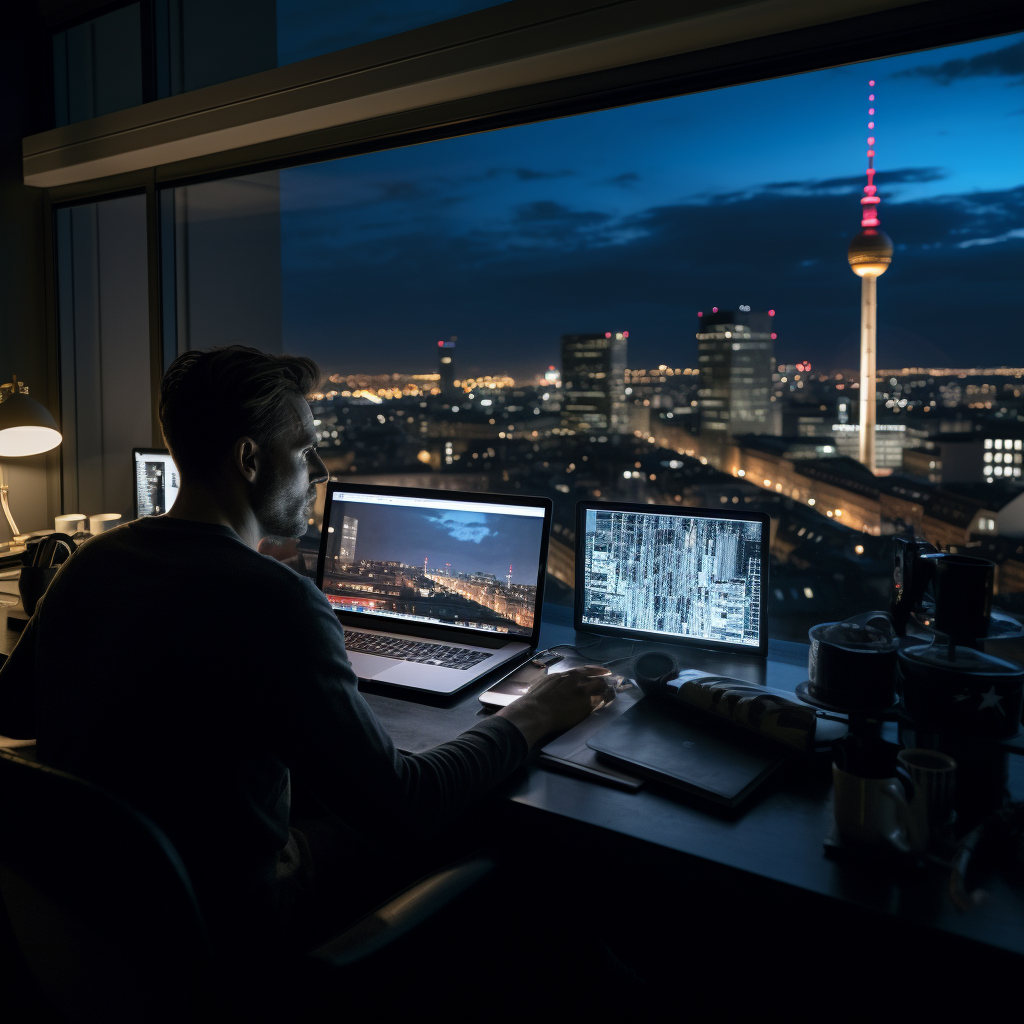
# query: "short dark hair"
{"type": "Point", "coordinates": [210, 398]}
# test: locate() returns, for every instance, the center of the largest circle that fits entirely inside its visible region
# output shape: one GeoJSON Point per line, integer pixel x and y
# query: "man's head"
{"type": "Point", "coordinates": [236, 422]}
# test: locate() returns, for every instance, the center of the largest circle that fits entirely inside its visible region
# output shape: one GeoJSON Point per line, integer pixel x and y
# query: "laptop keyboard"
{"type": "Point", "coordinates": [413, 650]}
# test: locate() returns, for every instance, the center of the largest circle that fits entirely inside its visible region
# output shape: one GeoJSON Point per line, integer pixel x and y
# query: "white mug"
{"type": "Point", "coordinates": [873, 812]}
{"type": "Point", "coordinates": [71, 523]}
{"type": "Point", "coordinates": [930, 822]}
{"type": "Point", "coordinates": [104, 521]}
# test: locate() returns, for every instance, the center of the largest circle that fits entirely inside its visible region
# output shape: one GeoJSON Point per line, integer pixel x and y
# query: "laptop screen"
{"type": "Point", "coordinates": [439, 561]}
{"type": "Point", "coordinates": [156, 481]}
{"type": "Point", "coordinates": [694, 577]}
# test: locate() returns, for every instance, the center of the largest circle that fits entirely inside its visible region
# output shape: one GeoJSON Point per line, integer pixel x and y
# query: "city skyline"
{"type": "Point", "coordinates": [508, 240]}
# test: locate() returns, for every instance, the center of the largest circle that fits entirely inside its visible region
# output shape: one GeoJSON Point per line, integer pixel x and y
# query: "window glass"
{"type": "Point", "coordinates": [309, 28]}
{"type": "Point", "coordinates": [97, 66]}
{"type": "Point", "coordinates": [110, 63]}
{"type": "Point", "coordinates": [103, 319]}
{"type": "Point", "coordinates": [654, 304]}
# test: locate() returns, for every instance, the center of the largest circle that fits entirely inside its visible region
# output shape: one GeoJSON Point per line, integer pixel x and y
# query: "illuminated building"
{"type": "Point", "coordinates": [593, 382]}
{"type": "Point", "coordinates": [736, 364]}
{"type": "Point", "coordinates": [446, 368]}
{"type": "Point", "coordinates": [869, 255]}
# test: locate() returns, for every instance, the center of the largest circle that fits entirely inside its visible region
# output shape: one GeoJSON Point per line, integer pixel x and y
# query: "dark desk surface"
{"type": "Point", "coordinates": [777, 835]}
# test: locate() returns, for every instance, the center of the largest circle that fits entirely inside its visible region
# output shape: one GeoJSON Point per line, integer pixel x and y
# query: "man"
{"type": "Point", "coordinates": [172, 664]}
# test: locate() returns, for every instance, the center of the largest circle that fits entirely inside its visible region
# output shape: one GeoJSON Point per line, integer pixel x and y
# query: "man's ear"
{"type": "Point", "coordinates": [247, 458]}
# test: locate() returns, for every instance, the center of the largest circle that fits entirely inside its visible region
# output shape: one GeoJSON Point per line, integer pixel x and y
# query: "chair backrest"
{"type": "Point", "coordinates": [98, 899]}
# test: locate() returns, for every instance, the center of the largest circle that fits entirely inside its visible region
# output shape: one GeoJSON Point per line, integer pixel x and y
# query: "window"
{"type": "Point", "coordinates": [480, 303]}
{"type": "Point", "coordinates": [103, 321]}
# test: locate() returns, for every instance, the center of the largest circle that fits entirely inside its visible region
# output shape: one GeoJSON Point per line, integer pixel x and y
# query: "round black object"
{"type": "Point", "coordinates": [32, 584]}
{"type": "Point", "coordinates": [852, 665]}
{"type": "Point", "coordinates": [652, 669]}
{"type": "Point", "coordinates": [970, 694]}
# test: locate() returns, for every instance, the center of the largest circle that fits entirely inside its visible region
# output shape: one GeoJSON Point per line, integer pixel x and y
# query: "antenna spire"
{"type": "Point", "coordinates": [869, 204]}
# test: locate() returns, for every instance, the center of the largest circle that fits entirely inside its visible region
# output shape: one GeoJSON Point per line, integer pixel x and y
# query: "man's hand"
{"type": "Point", "coordinates": [559, 701]}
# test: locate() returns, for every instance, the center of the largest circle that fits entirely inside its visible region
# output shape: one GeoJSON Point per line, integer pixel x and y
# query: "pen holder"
{"type": "Point", "coordinates": [32, 584]}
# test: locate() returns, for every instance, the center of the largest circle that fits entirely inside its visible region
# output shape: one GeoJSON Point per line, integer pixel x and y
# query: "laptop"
{"type": "Point", "coordinates": [435, 589]}
{"type": "Point", "coordinates": [687, 577]}
{"type": "Point", "coordinates": [156, 481]}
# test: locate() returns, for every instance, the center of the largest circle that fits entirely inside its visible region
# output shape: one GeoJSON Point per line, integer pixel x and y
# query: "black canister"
{"type": "Point", "coordinates": [961, 691]}
{"type": "Point", "coordinates": [852, 664]}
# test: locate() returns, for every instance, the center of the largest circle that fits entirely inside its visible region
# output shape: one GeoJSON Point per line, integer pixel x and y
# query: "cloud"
{"type": "Point", "coordinates": [525, 174]}
{"type": "Point", "coordinates": [1006, 62]}
{"type": "Point", "coordinates": [838, 186]}
{"type": "Point", "coordinates": [464, 526]}
{"type": "Point", "coordinates": [627, 180]}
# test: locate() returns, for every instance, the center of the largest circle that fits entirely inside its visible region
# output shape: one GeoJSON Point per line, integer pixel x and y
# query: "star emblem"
{"type": "Point", "coordinates": [991, 700]}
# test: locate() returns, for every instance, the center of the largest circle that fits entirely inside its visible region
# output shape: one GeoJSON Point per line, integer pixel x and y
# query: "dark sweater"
{"type": "Point", "coordinates": [176, 667]}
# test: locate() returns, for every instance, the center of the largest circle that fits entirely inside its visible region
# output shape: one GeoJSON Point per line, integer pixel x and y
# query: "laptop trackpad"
{"type": "Point", "coordinates": [370, 667]}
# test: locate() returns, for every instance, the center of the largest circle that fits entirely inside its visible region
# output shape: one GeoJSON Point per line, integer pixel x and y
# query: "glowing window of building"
{"type": "Point", "coordinates": [988, 456]}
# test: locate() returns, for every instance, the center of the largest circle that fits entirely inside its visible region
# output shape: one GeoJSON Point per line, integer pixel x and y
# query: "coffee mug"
{"type": "Point", "coordinates": [103, 521]}
{"type": "Point", "coordinates": [872, 812]}
{"type": "Point", "coordinates": [931, 816]}
{"type": "Point", "coordinates": [70, 523]}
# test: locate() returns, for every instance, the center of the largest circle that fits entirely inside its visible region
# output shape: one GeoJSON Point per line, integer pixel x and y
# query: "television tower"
{"type": "Point", "coordinates": [869, 255]}
{"type": "Point", "coordinates": [509, 577]}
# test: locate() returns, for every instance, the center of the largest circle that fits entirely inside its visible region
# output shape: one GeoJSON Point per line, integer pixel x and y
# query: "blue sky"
{"type": "Point", "coordinates": [468, 541]}
{"type": "Point", "coordinates": [635, 218]}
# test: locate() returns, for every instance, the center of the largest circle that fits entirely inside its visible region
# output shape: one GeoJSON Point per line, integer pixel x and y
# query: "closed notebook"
{"type": "Point", "coordinates": [687, 750]}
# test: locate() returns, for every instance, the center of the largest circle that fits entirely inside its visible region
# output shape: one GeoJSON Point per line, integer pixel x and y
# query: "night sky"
{"type": "Point", "coordinates": [470, 541]}
{"type": "Point", "coordinates": [635, 218]}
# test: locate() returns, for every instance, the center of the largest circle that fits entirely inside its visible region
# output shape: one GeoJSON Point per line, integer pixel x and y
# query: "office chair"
{"type": "Point", "coordinates": [104, 914]}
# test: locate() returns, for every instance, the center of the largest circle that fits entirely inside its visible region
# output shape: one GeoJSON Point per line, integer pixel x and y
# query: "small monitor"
{"type": "Point", "coordinates": [673, 574]}
{"type": "Point", "coordinates": [156, 481]}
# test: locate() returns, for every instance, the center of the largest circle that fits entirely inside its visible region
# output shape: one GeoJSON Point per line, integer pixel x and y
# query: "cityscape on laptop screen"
{"type": "Point", "coordinates": [686, 576]}
{"type": "Point", "coordinates": [431, 560]}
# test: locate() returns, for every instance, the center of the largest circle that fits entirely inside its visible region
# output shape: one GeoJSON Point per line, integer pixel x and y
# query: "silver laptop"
{"type": "Point", "coordinates": [435, 589]}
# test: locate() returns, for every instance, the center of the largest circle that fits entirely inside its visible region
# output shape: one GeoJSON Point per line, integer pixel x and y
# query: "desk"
{"type": "Point", "coordinates": [773, 843]}
{"type": "Point", "coordinates": [775, 840]}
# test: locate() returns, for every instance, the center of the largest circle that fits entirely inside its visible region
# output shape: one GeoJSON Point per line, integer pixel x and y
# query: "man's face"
{"type": "Point", "coordinates": [289, 471]}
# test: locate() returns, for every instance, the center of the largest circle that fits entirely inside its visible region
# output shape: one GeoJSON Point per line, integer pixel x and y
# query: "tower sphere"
{"type": "Point", "coordinates": [870, 253]}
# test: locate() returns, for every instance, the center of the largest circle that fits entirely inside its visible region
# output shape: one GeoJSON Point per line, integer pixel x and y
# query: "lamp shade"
{"type": "Point", "coordinates": [26, 428]}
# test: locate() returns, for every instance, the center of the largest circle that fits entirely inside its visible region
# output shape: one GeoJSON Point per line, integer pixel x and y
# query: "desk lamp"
{"type": "Point", "coordinates": [26, 428]}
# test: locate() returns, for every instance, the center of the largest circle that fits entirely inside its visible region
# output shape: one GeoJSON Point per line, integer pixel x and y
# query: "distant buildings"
{"type": "Point", "coordinates": [446, 369]}
{"type": "Point", "coordinates": [736, 363]}
{"type": "Point", "coordinates": [593, 383]}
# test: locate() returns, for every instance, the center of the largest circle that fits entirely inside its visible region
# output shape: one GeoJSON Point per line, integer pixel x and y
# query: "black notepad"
{"type": "Point", "coordinates": [682, 750]}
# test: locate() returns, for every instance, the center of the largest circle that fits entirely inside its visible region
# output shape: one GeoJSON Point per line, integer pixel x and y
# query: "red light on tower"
{"type": "Point", "coordinates": [700, 314]}
{"type": "Point", "coordinates": [625, 334]}
{"type": "Point", "coordinates": [714, 309]}
{"type": "Point", "coordinates": [440, 344]}
{"type": "Point", "coordinates": [774, 336]}
{"type": "Point", "coordinates": [607, 334]}
{"type": "Point", "coordinates": [771, 312]}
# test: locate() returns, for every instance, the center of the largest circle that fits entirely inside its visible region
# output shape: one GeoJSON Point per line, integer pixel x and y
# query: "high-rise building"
{"type": "Point", "coordinates": [736, 362]}
{"type": "Point", "coordinates": [446, 368]}
{"type": "Point", "coordinates": [869, 255]}
{"type": "Point", "coordinates": [341, 546]}
{"type": "Point", "coordinates": [593, 382]}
